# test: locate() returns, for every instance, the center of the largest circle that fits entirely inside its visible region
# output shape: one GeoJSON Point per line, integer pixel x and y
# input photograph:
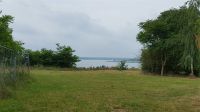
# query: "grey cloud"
{"type": "Point", "coordinates": [91, 27]}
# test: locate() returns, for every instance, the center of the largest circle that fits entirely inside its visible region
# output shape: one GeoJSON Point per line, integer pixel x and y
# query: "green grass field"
{"type": "Point", "coordinates": [104, 91]}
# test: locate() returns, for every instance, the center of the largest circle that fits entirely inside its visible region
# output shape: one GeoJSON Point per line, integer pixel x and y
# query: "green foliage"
{"type": "Point", "coordinates": [189, 34]}
{"type": "Point", "coordinates": [6, 38]}
{"type": "Point", "coordinates": [62, 57]}
{"type": "Point", "coordinates": [34, 57]}
{"type": "Point", "coordinates": [170, 41]}
{"type": "Point", "coordinates": [122, 65]}
{"type": "Point", "coordinates": [46, 57]}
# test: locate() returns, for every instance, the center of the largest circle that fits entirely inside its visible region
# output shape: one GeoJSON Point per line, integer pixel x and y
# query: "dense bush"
{"type": "Point", "coordinates": [62, 57]}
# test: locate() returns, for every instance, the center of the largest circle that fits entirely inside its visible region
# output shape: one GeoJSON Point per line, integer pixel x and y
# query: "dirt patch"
{"type": "Point", "coordinates": [119, 110]}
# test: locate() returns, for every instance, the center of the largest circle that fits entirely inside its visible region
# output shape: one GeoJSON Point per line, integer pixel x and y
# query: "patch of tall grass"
{"type": "Point", "coordinates": [14, 70]}
{"type": "Point", "coordinates": [10, 80]}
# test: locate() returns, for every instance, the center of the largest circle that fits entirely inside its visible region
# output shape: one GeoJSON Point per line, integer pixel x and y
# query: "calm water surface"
{"type": "Point", "coordinates": [96, 63]}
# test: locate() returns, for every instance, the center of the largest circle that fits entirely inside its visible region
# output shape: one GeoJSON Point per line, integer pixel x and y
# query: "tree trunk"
{"type": "Point", "coordinates": [163, 66]}
{"type": "Point", "coordinates": [192, 68]}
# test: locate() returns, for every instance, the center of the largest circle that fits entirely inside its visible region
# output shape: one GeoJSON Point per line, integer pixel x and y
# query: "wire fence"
{"type": "Point", "coordinates": [14, 68]}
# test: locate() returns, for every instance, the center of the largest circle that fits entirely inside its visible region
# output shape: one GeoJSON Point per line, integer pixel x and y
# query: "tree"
{"type": "Point", "coordinates": [122, 65]}
{"type": "Point", "coordinates": [6, 38]}
{"type": "Point", "coordinates": [190, 33]}
{"type": "Point", "coordinates": [170, 41]}
{"type": "Point", "coordinates": [65, 57]}
{"type": "Point", "coordinates": [47, 57]}
{"type": "Point", "coordinates": [153, 36]}
{"type": "Point", "coordinates": [34, 57]}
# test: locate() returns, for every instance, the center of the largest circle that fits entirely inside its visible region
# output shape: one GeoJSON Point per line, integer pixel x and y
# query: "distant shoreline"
{"type": "Point", "coordinates": [111, 59]}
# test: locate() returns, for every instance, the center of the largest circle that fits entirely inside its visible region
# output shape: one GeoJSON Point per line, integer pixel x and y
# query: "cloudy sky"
{"type": "Point", "coordinates": [98, 28]}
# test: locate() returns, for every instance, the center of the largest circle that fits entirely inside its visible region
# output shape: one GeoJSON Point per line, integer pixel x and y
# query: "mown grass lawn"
{"type": "Point", "coordinates": [104, 91]}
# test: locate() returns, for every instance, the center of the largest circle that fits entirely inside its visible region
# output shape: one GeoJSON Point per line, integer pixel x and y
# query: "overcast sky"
{"type": "Point", "coordinates": [98, 28]}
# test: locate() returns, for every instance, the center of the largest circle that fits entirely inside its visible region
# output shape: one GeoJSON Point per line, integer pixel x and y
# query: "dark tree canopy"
{"type": "Point", "coordinates": [6, 38]}
{"type": "Point", "coordinates": [170, 41]}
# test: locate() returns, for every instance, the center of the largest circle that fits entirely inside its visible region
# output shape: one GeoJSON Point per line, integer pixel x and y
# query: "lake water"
{"type": "Point", "coordinates": [96, 63]}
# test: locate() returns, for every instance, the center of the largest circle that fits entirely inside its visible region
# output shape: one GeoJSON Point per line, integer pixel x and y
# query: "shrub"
{"type": "Point", "coordinates": [122, 65]}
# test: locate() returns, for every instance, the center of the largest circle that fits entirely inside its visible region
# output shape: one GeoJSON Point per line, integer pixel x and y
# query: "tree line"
{"type": "Point", "coordinates": [171, 41]}
{"type": "Point", "coordinates": [62, 57]}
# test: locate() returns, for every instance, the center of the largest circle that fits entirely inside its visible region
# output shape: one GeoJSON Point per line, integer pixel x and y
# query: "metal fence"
{"type": "Point", "coordinates": [14, 67]}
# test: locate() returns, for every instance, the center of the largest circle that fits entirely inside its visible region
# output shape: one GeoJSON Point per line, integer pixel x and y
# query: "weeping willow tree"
{"type": "Point", "coordinates": [190, 36]}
